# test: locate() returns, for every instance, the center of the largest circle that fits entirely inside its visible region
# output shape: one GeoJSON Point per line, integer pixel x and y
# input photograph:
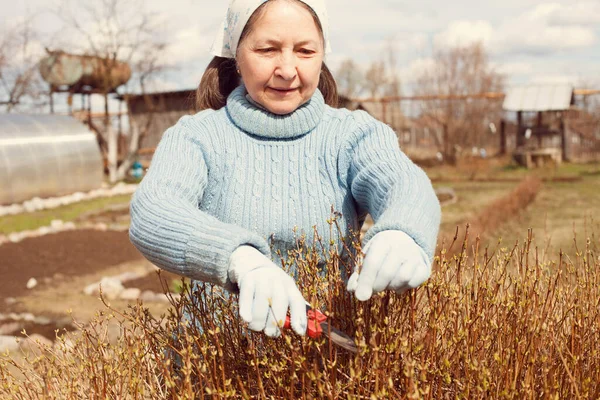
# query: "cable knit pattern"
{"type": "Point", "coordinates": [241, 175]}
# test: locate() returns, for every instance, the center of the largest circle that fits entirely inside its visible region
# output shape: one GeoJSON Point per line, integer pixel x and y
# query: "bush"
{"type": "Point", "coordinates": [488, 324]}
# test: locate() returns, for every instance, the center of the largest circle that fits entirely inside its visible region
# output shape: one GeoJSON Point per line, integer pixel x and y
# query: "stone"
{"type": "Point", "coordinates": [130, 294]}
{"type": "Point", "coordinates": [28, 317]}
{"type": "Point", "coordinates": [42, 320]}
{"type": "Point", "coordinates": [31, 283]}
{"type": "Point", "coordinates": [43, 230]}
{"type": "Point", "coordinates": [10, 328]}
{"type": "Point", "coordinates": [92, 289]}
{"type": "Point", "coordinates": [129, 276]}
{"type": "Point", "coordinates": [10, 300]}
{"type": "Point", "coordinates": [69, 225]}
{"type": "Point", "coordinates": [8, 343]}
{"type": "Point", "coordinates": [78, 196]}
{"type": "Point", "coordinates": [111, 287]}
{"type": "Point", "coordinates": [147, 296]}
{"type": "Point", "coordinates": [15, 237]}
{"type": "Point", "coordinates": [56, 224]}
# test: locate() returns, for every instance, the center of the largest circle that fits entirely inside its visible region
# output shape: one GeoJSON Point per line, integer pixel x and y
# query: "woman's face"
{"type": "Point", "coordinates": [280, 59]}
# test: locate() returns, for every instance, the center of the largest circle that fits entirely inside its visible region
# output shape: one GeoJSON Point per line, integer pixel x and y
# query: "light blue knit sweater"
{"type": "Point", "coordinates": [241, 175]}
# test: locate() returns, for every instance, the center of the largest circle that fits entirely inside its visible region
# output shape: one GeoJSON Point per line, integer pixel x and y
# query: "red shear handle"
{"type": "Point", "coordinates": [315, 319]}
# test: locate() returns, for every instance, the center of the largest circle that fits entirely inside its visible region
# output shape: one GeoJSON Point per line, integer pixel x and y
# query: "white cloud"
{"type": "Point", "coordinates": [514, 68]}
{"type": "Point", "coordinates": [539, 39]}
{"type": "Point", "coordinates": [188, 44]}
{"type": "Point", "coordinates": [359, 18]}
{"type": "Point", "coordinates": [574, 13]}
{"type": "Point", "coordinates": [464, 33]}
{"type": "Point", "coordinates": [545, 29]}
{"type": "Point", "coordinates": [554, 78]}
{"type": "Point", "coordinates": [162, 85]}
{"type": "Point", "coordinates": [549, 39]}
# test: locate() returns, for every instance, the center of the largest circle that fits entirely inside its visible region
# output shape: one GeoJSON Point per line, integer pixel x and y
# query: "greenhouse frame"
{"type": "Point", "coordinates": [46, 156]}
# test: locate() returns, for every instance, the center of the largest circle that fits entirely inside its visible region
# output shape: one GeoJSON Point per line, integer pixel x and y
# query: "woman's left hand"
{"type": "Point", "coordinates": [392, 261]}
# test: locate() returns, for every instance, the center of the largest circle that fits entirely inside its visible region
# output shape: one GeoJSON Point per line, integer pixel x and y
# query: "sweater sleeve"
{"type": "Point", "coordinates": [167, 226]}
{"type": "Point", "coordinates": [387, 184]}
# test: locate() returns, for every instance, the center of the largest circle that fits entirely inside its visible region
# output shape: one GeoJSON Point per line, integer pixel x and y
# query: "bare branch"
{"type": "Point", "coordinates": [457, 72]}
{"type": "Point", "coordinates": [18, 72]}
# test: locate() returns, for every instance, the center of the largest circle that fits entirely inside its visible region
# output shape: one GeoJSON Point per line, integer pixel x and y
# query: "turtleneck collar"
{"type": "Point", "coordinates": [250, 117]}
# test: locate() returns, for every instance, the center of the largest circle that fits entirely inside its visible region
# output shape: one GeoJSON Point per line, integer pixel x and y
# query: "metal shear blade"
{"type": "Point", "coordinates": [340, 338]}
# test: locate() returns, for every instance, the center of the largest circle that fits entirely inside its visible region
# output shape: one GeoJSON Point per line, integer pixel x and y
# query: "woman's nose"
{"type": "Point", "coordinates": [287, 67]}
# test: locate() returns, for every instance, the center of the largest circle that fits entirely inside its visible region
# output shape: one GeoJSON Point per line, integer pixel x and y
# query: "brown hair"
{"type": "Point", "coordinates": [221, 77]}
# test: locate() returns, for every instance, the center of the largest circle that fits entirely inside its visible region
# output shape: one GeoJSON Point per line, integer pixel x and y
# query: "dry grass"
{"type": "Point", "coordinates": [498, 212]}
{"type": "Point", "coordinates": [567, 201]}
{"type": "Point", "coordinates": [489, 324]}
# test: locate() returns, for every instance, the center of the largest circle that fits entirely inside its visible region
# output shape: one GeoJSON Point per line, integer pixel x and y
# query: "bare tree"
{"type": "Point", "coordinates": [376, 79]}
{"type": "Point", "coordinates": [19, 79]}
{"type": "Point", "coordinates": [382, 78]}
{"type": "Point", "coordinates": [457, 73]}
{"type": "Point", "coordinates": [393, 87]}
{"type": "Point", "coordinates": [122, 30]}
{"type": "Point", "coordinates": [349, 78]}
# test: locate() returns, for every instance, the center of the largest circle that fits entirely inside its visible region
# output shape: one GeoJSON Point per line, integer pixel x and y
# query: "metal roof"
{"type": "Point", "coordinates": [552, 97]}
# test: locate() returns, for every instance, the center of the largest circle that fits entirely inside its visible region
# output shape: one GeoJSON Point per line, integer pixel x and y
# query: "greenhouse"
{"type": "Point", "coordinates": [46, 156]}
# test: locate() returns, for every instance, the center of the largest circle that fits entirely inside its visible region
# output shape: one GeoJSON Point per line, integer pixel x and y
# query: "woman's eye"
{"type": "Point", "coordinates": [267, 50]}
{"type": "Point", "coordinates": [307, 51]}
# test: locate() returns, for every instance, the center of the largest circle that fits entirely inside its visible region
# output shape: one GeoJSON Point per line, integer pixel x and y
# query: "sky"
{"type": "Point", "coordinates": [531, 41]}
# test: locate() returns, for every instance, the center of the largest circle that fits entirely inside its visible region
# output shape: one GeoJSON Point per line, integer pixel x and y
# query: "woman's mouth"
{"type": "Point", "coordinates": [283, 90]}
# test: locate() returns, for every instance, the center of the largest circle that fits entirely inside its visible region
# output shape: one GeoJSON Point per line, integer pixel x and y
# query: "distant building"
{"type": "Point", "coordinates": [549, 126]}
{"type": "Point", "coordinates": [154, 113]}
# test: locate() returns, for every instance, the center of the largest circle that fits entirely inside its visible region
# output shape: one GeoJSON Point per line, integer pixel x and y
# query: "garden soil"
{"type": "Point", "coordinates": [59, 256]}
{"type": "Point", "coordinates": [63, 264]}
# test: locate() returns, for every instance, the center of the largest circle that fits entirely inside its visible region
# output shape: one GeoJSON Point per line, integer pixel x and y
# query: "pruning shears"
{"type": "Point", "coordinates": [317, 325]}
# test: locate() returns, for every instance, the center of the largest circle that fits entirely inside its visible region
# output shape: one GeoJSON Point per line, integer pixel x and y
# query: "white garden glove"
{"type": "Point", "coordinates": [392, 261]}
{"type": "Point", "coordinates": [261, 283]}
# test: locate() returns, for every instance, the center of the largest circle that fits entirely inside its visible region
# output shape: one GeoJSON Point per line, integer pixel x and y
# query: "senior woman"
{"type": "Point", "coordinates": [269, 153]}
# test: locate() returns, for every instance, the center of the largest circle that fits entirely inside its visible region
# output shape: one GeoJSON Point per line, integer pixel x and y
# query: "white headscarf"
{"type": "Point", "coordinates": [238, 14]}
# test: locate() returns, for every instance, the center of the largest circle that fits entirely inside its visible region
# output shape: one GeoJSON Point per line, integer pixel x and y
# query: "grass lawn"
{"type": "Point", "coordinates": [562, 212]}
{"type": "Point", "coordinates": [568, 202]}
{"type": "Point", "coordinates": [34, 220]}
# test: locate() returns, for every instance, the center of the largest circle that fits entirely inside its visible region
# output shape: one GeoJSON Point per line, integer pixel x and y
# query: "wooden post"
{"type": "Point", "coordinates": [502, 136]}
{"type": "Point", "coordinates": [563, 138]}
{"type": "Point", "coordinates": [51, 101]}
{"type": "Point", "coordinates": [89, 110]}
{"type": "Point", "coordinates": [520, 138]}
{"type": "Point", "coordinates": [70, 103]}
{"type": "Point", "coordinates": [539, 129]}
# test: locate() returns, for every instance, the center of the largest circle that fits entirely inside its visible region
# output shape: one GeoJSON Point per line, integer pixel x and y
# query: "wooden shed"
{"type": "Point", "coordinates": [154, 113]}
{"type": "Point", "coordinates": [541, 122]}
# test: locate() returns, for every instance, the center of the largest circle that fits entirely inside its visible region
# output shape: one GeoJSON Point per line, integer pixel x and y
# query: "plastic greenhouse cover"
{"type": "Point", "coordinates": [20, 126]}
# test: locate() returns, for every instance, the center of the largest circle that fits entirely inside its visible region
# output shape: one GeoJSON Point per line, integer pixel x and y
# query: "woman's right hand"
{"type": "Point", "coordinates": [266, 292]}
